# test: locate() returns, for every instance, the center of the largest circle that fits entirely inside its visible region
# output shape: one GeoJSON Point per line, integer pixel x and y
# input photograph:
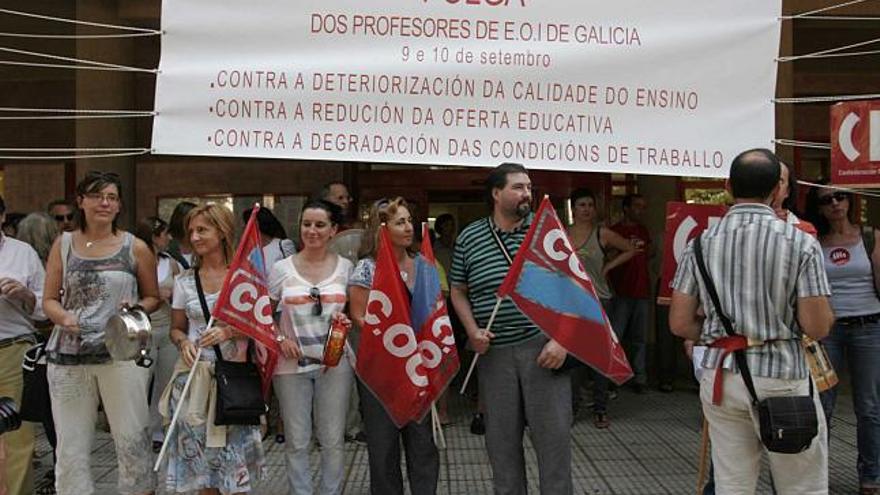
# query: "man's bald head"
{"type": "Point", "coordinates": [754, 174]}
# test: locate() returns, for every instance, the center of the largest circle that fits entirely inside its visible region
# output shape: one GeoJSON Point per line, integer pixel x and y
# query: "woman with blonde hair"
{"type": "Point", "coordinates": [90, 274]}
{"type": "Point", "coordinates": [383, 436]}
{"type": "Point", "coordinates": [204, 457]}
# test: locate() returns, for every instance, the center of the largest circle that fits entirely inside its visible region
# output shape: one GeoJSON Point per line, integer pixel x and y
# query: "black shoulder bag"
{"type": "Point", "coordinates": [239, 390]}
{"type": "Point", "coordinates": [788, 423]}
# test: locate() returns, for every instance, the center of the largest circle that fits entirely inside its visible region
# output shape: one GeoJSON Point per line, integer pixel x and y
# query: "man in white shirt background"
{"type": "Point", "coordinates": [21, 291]}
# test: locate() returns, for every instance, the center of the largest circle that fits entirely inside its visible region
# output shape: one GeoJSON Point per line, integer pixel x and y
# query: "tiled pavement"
{"type": "Point", "coordinates": [650, 448]}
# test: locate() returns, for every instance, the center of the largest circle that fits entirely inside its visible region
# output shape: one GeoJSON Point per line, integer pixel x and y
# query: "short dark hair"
{"type": "Point", "coordinates": [498, 178]}
{"type": "Point", "coordinates": [148, 228]}
{"type": "Point", "coordinates": [334, 212]}
{"type": "Point", "coordinates": [325, 189]}
{"type": "Point", "coordinates": [628, 199]}
{"type": "Point", "coordinates": [94, 181]}
{"type": "Point", "coordinates": [442, 220]}
{"type": "Point", "coordinates": [754, 173]}
{"type": "Point", "coordinates": [790, 202]}
{"type": "Point", "coordinates": [267, 222]}
{"type": "Point", "coordinates": [176, 226]}
{"type": "Point", "coordinates": [583, 192]}
{"type": "Point", "coordinates": [57, 202]}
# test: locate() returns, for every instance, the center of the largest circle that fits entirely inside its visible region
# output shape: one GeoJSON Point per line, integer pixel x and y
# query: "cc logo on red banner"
{"type": "Point", "coordinates": [400, 341]}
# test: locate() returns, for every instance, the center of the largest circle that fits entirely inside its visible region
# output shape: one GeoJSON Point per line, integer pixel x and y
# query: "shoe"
{"type": "Point", "coordinates": [612, 395]}
{"type": "Point", "coordinates": [157, 446]}
{"type": "Point", "coordinates": [601, 421]}
{"type": "Point", "coordinates": [478, 426]}
{"type": "Point", "coordinates": [666, 388]}
{"type": "Point", "coordinates": [639, 388]}
{"type": "Point", "coordinates": [279, 438]}
{"type": "Point", "coordinates": [869, 490]}
{"type": "Point", "coordinates": [361, 437]}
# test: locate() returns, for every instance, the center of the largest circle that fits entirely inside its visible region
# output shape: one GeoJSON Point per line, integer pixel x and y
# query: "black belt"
{"type": "Point", "coordinates": [28, 338]}
{"type": "Point", "coordinates": [849, 321]}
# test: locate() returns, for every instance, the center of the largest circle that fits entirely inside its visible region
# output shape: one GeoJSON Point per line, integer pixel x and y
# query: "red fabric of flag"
{"type": "Point", "coordinates": [547, 282]}
{"type": "Point", "coordinates": [244, 300]}
{"type": "Point", "coordinates": [388, 354]}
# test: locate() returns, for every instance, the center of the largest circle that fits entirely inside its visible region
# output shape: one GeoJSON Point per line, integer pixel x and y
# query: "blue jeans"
{"type": "Point", "coordinates": [315, 400]}
{"type": "Point", "coordinates": [860, 344]}
{"type": "Point", "coordinates": [630, 317]}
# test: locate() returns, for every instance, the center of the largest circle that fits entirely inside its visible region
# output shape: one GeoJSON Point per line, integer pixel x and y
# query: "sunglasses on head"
{"type": "Point", "coordinates": [315, 295]}
{"type": "Point", "coordinates": [835, 196]}
{"type": "Point", "coordinates": [61, 218]}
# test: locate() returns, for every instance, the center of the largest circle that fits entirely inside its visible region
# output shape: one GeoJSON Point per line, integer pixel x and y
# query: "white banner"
{"type": "Point", "coordinates": [672, 87]}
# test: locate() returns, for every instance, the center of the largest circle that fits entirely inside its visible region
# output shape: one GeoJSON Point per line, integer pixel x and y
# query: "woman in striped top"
{"type": "Point", "coordinates": [310, 287]}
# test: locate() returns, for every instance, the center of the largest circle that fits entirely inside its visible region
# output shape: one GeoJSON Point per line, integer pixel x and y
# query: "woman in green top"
{"type": "Point", "coordinates": [592, 241]}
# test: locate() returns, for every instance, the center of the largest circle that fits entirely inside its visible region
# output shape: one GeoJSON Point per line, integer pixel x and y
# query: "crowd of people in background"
{"type": "Point", "coordinates": [64, 272]}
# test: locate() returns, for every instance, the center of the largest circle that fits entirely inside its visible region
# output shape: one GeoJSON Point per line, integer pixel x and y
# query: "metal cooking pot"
{"type": "Point", "coordinates": [129, 336]}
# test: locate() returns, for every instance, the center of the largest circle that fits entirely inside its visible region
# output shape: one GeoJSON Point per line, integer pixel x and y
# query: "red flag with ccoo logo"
{"type": "Point", "coordinates": [244, 300]}
{"type": "Point", "coordinates": [388, 354]}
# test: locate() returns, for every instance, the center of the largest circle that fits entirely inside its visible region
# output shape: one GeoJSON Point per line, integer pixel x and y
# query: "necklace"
{"type": "Point", "coordinates": [98, 241]}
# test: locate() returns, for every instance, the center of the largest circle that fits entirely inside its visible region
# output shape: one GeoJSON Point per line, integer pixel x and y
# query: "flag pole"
{"type": "Point", "coordinates": [467, 377]}
{"type": "Point", "coordinates": [180, 402]}
{"type": "Point", "coordinates": [704, 454]}
{"type": "Point", "coordinates": [437, 427]}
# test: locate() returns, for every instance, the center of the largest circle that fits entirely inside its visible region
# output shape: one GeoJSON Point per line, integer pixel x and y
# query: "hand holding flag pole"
{"type": "Point", "coordinates": [488, 328]}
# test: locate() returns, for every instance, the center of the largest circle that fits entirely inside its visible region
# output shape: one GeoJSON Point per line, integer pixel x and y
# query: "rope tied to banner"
{"type": "Point", "coordinates": [72, 114]}
{"type": "Point", "coordinates": [70, 153]}
{"type": "Point", "coordinates": [823, 53]}
{"type": "Point", "coordinates": [94, 63]}
{"type": "Point", "coordinates": [151, 32]}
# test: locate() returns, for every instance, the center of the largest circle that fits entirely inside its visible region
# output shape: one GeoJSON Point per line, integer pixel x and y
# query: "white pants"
{"type": "Point", "coordinates": [736, 439]}
{"type": "Point", "coordinates": [75, 392]}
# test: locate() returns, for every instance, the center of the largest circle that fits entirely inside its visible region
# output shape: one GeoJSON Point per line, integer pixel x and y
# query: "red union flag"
{"type": "Point", "coordinates": [430, 319]}
{"type": "Point", "coordinates": [855, 143]}
{"type": "Point", "coordinates": [244, 300]}
{"type": "Point", "coordinates": [388, 354]}
{"type": "Point", "coordinates": [683, 222]}
{"type": "Point", "coordinates": [549, 285]}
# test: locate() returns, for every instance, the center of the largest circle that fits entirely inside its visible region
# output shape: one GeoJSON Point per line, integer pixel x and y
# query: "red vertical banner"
{"type": "Point", "coordinates": [388, 352]}
{"type": "Point", "coordinates": [684, 221]}
{"type": "Point", "coordinates": [855, 143]}
{"type": "Point", "coordinates": [244, 300]}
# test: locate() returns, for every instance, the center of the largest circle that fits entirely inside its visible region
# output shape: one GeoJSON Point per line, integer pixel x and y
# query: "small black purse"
{"type": "Point", "coordinates": [788, 424]}
{"type": "Point", "coordinates": [239, 390]}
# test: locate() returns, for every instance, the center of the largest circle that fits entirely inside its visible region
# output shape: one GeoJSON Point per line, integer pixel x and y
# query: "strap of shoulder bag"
{"type": "Point", "coordinates": [740, 355]}
{"type": "Point", "coordinates": [205, 311]}
{"type": "Point", "coordinates": [501, 245]}
{"type": "Point", "coordinates": [207, 314]}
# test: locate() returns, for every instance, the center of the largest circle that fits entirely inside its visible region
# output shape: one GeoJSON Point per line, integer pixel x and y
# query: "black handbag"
{"type": "Point", "coordinates": [239, 390]}
{"type": "Point", "coordinates": [788, 423]}
{"type": "Point", "coordinates": [36, 405]}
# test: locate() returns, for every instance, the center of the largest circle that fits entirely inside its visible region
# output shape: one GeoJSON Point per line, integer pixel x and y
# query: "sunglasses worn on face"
{"type": "Point", "coordinates": [315, 295]}
{"type": "Point", "coordinates": [838, 196]}
{"type": "Point", "coordinates": [62, 218]}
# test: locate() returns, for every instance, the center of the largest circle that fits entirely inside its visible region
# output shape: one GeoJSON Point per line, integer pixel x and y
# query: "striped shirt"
{"type": "Point", "coordinates": [479, 265]}
{"type": "Point", "coordinates": [760, 266]}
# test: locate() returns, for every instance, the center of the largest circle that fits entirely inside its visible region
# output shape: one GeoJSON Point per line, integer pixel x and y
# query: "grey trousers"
{"type": "Point", "coordinates": [517, 391]}
{"type": "Point", "coordinates": [383, 448]}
